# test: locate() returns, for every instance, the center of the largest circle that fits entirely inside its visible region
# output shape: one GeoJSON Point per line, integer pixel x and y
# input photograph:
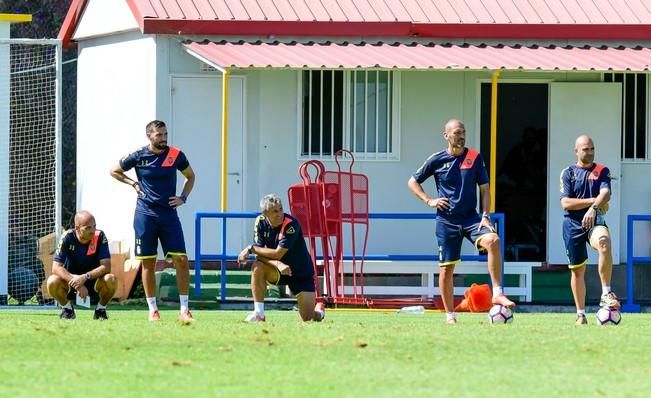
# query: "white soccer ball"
{"type": "Point", "coordinates": [608, 316]}
{"type": "Point", "coordinates": [499, 315]}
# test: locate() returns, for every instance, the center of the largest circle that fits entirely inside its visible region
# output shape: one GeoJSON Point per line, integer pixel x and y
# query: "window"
{"type": "Point", "coordinates": [635, 99]}
{"type": "Point", "coordinates": [353, 110]}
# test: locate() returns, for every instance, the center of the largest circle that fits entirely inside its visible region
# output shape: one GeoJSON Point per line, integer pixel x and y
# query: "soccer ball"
{"type": "Point", "coordinates": [608, 316]}
{"type": "Point", "coordinates": [499, 314]}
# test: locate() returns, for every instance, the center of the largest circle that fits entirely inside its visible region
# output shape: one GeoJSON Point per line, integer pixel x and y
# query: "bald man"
{"type": "Point", "coordinates": [585, 192]}
{"type": "Point", "coordinates": [82, 265]}
{"type": "Point", "coordinates": [458, 171]}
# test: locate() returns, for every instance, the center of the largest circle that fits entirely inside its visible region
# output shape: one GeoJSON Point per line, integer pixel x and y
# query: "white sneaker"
{"type": "Point", "coordinates": [609, 300]}
{"type": "Point", "coordinates": [255, 317]}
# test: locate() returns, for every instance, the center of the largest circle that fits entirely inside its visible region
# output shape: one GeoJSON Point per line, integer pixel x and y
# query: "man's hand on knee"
{"type": "Point", "coordinates": [283, 268]}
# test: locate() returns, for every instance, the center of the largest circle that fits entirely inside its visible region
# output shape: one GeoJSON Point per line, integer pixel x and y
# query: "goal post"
{"type": "Point", "coordinates": [30, 166]}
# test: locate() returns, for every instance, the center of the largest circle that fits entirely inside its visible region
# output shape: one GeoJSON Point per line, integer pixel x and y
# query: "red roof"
{"type": "Point", "coordinates": [420, 56]}
{"type": "Point", "coordinates": [417, 11]}
{"type": "Point", "coordinates": [500, 19]}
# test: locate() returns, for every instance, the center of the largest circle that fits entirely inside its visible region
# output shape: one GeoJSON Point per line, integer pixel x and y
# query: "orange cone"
{"type": "Point", "coordinates": [463, 306]}
{"type": "Point", "coordinates": [480, 297]}
{"type": "Point", "coordinates": [477, 299]}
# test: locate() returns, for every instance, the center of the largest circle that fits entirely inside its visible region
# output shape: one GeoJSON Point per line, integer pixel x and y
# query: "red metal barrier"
{"type": "Point", "coordinates": [322, 205]}
{"type": "Point", "coordinates": [351, 209]}
{"type": "Point", "coordinates": [306, 204]}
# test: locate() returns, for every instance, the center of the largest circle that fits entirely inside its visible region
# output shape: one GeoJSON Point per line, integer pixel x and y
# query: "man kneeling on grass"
{"type": "Point", "coordinates": [82, 265]}
{"type": "Point", "coordinates": [281, 258]}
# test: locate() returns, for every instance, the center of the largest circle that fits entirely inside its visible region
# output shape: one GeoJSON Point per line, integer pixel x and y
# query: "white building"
{"type": "Point", "coordinates": [379, 80]}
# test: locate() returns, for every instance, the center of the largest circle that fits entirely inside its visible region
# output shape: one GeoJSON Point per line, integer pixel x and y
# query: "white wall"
{"type": "Point", "coordinates": [116, 99]}
{"type": "Point", "coordinates": [429, 99]}
{"type": "Point", "coordinates": [424, 112]}
{"type": "Point", "coordinates": [102, 17]}
{"type": "Point", "coordinates": [636, 199]}
{"type": "Point", "coordinates": [272, 134]}
{"type": "Point", "coordinates": [276, 137]}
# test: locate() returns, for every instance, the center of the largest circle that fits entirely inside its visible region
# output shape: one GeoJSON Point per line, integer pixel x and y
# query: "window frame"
{"type": "Point", "coordinates": [647, 154]}
{"type": "Point", "coordinates": [392, 156]}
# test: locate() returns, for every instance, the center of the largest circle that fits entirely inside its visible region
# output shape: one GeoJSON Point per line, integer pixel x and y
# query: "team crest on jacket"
{"type": "Point", "coordinates": [290, 230]}
{"type": "Point", "coordinates": [170, 160]}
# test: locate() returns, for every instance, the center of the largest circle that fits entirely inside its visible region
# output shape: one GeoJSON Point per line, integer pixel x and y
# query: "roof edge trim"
{"type": "Point", "coordinates": [221, 68]}
{"type": "Point", "coordinates": [277, 55]}
{"type": "Point", "coordinates": [397, 29]}
{"type": "Point", "coordinates": [71, 20]}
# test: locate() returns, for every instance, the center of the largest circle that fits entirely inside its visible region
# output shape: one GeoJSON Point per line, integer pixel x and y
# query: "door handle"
{"type": "Point", "coordinates": [236, 174]}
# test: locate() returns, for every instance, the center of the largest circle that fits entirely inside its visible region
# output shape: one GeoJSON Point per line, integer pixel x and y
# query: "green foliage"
{"type": "Point", "coordinates": [47, 16]}
{"type": "Point", "coordinates": [351, 354]}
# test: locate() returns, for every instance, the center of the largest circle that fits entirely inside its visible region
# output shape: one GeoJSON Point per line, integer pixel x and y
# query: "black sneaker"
{"type": "Point", "coordinates": [67, 313]}
{"type": "Point", "coordinates": [100, 314]}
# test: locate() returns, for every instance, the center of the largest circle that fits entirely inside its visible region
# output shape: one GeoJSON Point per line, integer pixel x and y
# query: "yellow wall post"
{"type": "Point", "coordinates": [493, 154]}
{"type": "Point", "coordinates": [227, 72]}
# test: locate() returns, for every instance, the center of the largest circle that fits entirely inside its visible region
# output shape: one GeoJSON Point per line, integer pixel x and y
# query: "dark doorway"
{"type": "Point", "coordinates": [522, 117]}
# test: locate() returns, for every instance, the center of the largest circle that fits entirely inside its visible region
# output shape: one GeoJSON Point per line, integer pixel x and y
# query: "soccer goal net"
{"type": "Point", "coordinates": [30, 158]}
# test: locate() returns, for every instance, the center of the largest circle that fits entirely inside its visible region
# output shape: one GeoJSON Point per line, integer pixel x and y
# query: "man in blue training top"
{"type": "Point", "coordinates": [82, 265]}
{"type": "Point", "coordinates": [585, 192]}
{"type": "Point", "coordinates": [458, 171]}
{"type": "Point", "coordinates": [155, 216]}
{"type": "Point", "coordinates": [281, 258]}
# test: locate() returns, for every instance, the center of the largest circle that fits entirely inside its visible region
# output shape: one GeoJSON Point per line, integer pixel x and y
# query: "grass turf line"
{"type": "Point", "coordinates": [350, 354]}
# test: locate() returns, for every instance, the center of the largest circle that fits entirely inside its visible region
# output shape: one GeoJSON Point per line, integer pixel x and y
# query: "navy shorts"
{"type": "Point", "coordinates": [297, 284]}
{"type": "Point", "coordinates": [450, 237]}
{"type": "Point", "coordinates": [576, 238]}
{"type": "Point", "coordinates": [149, 229]}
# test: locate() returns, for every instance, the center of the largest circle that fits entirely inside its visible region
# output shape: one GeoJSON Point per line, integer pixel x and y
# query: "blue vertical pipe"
{"type": "Point", "coordinates": [630, 306]}
{"type": "Point", "coordinates": [197, 255]}
{"type": "Point", "coordinates": [222, 278]}
{"type": "Point", "coordinates": [629, 261]}
{"type": "Point", "coordinates": [500, 231]}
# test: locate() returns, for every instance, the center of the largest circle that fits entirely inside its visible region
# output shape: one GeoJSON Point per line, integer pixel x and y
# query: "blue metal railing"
{"type": "Point", "coordinates": [630, 305]}
{"type": "Point", "coordinates": [223, 257]}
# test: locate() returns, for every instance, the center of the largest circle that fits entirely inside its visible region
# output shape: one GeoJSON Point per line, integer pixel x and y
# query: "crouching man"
{"type": "Point", "coordinates": [82, 265]}
{"type": "Point", "coordinates": [282, 257]}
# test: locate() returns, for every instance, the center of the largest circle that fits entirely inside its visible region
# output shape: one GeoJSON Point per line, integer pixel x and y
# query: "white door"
{"type": "Point", "coordinates": [583, 108]}
{"type": "Point", "coordinates": [196, 129]}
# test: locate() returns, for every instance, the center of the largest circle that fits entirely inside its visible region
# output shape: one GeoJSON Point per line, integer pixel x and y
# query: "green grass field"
{"type": "Point", "coordinates": [350, 354]}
